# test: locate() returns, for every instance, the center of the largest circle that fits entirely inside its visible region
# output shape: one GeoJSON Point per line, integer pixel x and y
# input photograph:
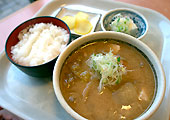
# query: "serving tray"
{"type": "Point", "coordinates": [34, 98]}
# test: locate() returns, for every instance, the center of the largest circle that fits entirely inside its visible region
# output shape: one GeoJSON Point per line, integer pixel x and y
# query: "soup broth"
{"type": "Point", "coordinates": [126, 100]}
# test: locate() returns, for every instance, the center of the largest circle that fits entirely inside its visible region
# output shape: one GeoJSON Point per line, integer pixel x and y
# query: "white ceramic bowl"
{"type": "Point", "coordinates": [137, 18]}
{"type": "Point", "coordinates": [155, 63]}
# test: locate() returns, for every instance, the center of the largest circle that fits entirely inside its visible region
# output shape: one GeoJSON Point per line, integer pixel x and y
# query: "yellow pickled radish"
{"type": "Point", "coordinates": [69, 20]}
{"type": "Point", "coordinates": [82, 26]}
{"type": "Point", "coordinates": [79, 23]}
{"type": "Point", "coordinates": [81, 15]}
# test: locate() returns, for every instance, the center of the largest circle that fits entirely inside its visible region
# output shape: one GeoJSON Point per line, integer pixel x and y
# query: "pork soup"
{"type": "Point", "coordinates": [108, 80]}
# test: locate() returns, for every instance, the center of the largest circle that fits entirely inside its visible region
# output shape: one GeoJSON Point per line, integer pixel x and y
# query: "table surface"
{"type": "Point", "coordinates": [9, 23]}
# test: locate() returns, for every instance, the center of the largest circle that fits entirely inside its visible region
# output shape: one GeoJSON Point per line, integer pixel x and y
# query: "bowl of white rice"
{"type": "Point", "coordinates": [35, 45]}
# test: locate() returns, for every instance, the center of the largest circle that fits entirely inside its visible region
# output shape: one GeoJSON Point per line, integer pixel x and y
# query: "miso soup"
{"type": "Point", "coordinates": [107, 80]}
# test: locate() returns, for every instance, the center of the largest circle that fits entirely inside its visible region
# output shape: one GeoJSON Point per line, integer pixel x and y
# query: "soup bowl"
{"type": "Point", "coordinates": [144, 50]}
{"type": "Point", "coordinates": [41, 70]}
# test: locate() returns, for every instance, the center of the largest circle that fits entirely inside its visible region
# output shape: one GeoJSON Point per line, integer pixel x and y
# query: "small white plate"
{"type": "Point", "coordinates": [93, 17]}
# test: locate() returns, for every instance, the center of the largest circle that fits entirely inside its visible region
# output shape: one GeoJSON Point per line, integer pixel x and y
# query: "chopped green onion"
{"type": "Point", "coordinates": [118, 59]}
{"type": "Point", "coordinates": [108, 66]}
{"type": "Point", "coordinates": [94, 65]}
{"type": "Point", "coordinates": [123, 24]}
{"type": "Point", "coordinates": [118, 19]}
{"type": "Point", "coordinates": [127, 18]}
{"type": "Point", "coordinates": [117, 82]}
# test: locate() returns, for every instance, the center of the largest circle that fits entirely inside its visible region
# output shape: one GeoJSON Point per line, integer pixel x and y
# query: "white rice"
{"type": "Point", "coordinates": [39, 44]}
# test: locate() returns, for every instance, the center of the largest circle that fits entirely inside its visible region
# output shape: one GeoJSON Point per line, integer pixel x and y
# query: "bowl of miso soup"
{"type": "Point", "coordinates": [109, 76]}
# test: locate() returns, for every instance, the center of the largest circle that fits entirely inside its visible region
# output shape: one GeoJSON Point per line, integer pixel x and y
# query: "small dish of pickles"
{"type": "Point", "coordinates": [79, 22]}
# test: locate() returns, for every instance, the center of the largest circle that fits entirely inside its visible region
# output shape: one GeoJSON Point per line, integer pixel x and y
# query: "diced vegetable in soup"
{"type": "Point", "coordinates": [107, 80]}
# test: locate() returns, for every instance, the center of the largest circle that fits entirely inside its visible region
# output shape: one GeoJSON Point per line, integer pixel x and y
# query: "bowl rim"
{"type": "Point", "coordinates": [159, 95]}
{"type": "Point", "coordinates": [23, 66]}
{"type": "Point", "coordinates": [126, 9]}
